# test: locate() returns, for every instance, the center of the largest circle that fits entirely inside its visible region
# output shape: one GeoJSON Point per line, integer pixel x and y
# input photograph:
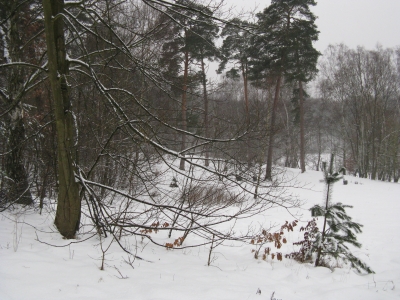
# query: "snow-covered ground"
{"type": "Point", "coordinates": [32, 266]}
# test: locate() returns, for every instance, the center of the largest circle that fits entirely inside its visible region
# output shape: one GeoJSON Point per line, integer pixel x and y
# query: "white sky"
{"type": "Point", "coordinates": [352, 22]}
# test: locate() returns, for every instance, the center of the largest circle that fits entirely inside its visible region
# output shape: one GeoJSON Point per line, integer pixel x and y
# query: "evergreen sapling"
{"type": "Point", "coordinates": [338, 230]}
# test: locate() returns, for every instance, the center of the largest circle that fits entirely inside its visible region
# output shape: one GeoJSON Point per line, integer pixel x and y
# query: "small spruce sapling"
{"type": "Point", "coordinates": [338, 229]}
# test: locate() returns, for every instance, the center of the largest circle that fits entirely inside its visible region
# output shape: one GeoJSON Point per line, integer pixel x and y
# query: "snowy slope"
{"type": "Point", "coordinates": [32, 269]}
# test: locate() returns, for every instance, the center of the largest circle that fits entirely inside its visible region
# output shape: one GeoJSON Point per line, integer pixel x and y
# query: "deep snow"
{"type": "Point", "coordinates": [32, 269]}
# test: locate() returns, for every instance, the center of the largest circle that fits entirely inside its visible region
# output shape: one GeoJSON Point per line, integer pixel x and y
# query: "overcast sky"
{"type": "Point", "coordinates": [352, 22]}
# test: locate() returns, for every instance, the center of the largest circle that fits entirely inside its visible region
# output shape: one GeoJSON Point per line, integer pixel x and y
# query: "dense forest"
{"type": "Point", "coordinates": [95, 96]}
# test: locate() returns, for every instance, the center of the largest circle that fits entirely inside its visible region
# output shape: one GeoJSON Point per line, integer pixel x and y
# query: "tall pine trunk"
{"type": "Point", "coordinates": [302, 140]}
{"type": "Point", "coordinates": [206, 125]}
{"type": "Point", "coordinates": [268, 172]}
{"type": "Point", "coordinates": [184, 108]}
{"type": "Point", "coordinates": [68, 203]}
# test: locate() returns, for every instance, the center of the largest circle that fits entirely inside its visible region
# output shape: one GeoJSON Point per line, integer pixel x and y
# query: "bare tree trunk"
{"type": "Point", "coordinates": [68, 203]}
{"type": "Point", "coordinates": [206, 125]}
{"type": "Point", "coordinates": [268, 172]}
{"type": "Point", "coordinates": [302, 141]}
{"type": "Point", "coordinates": [319, 141]}
{"type": "Point", "coordinates": [184, 107]}
{"type": "Point", "coordinates": [246, 93]}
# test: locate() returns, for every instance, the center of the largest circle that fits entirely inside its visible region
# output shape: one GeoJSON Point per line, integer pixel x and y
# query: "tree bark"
{"type": "Point", "coordinates": [268, 172]}
{"type": "Point", "coordinates": [184, 108]}
{"type": "Point", "coordinates": [68, 203]}
{"type": "Point", "coordinates": [246, 92]}
{"type": "Point", "coordinates": [206, 125]}
{"type": "Point", "coordinates": [302, 140]}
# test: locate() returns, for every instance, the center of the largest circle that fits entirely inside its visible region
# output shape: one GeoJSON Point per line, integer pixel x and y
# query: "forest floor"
{"type": "Point", "coordinates": [36, 263]}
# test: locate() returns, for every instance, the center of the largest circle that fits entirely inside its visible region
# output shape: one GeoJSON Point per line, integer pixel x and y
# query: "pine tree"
{"type": "Point", "coordinates": [338, 230]}
{"type": "Point", "coordinates": [283, 48]}
{"type": "Point", "coordinates": [206, 32]}
{"type": "Point", "coordinates": [192, 35]}
{"type": "Point", "coordinates": [236, 48]}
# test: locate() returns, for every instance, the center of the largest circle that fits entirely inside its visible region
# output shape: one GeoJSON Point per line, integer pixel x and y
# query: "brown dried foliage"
{"type": "Point", "coordinates": [305, 251]}
{"type": "Point", "coordinates": [277, 238]}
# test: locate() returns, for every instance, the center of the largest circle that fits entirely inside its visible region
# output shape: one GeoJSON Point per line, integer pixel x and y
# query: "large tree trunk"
{"type": "Point", "coordinates": [302, 140]}
{"type": "Point", "coordinates": [184, 108]}
{"type": "Point", "coordinates": [268, 172]}
{"type": "Point", "coordinates": [68, 203]}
